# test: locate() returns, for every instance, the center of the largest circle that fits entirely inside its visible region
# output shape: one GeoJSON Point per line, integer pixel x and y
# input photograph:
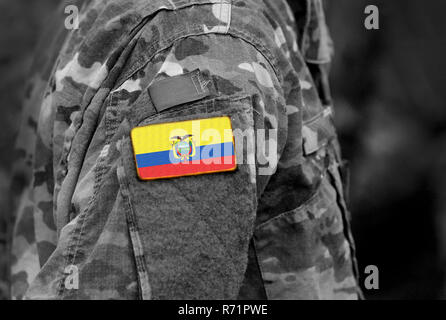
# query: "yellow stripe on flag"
{"type": "Point", "coordinates": [157, 137]}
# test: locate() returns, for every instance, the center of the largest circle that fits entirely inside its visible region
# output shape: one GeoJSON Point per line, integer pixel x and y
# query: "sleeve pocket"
{"type": "Point", "coordinates": [307, 253]}
{"type": "Point", "coordinates": [192, 231]}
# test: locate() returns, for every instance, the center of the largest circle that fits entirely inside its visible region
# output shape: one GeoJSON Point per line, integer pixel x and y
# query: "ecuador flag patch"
{"type": "Point", "coordinates": [185, 148]}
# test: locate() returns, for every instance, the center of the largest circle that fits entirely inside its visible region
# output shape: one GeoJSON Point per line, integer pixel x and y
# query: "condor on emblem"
{"type": "Point", "coordinates": [183, 147]}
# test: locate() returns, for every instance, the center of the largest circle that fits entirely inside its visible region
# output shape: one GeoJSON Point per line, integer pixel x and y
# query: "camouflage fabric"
{"type": "Point", "coordinates": [276, 228]}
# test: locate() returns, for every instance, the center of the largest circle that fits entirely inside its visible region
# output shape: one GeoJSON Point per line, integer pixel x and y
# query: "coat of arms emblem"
{"type": "Point", "coordinates": [183, 148]}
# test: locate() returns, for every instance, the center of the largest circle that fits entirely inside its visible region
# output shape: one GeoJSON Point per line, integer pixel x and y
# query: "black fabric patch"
{"type": "Point", "coordinates": [174, 91]}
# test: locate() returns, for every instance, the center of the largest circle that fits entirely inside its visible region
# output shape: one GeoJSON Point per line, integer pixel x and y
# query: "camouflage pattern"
{"type": "Point", "coordinates": [246, 234]}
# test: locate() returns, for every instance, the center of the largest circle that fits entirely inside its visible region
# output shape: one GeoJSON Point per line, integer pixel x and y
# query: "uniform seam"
{"type": "Point", "coordinates": [199, 104]}
{"type": "Point", "coordinates": [228, 23]}
{"type": "Point", "coordinates": [171, 40]}
{"type": "Point", "coordinates": [260, 48]}
{"type": "Point", "coordinates": [73, 246]}
{"type": "Point", "coordinates": [195, 30]}
{"type": "Point", "coordinates": [141, 61]}
{"type": "Point", "coordinates": [258, 264]}
{"type": "Point", "coordinates": [317, 61]}
{"type": "Point", "coordinates": [340, 201]}
{"type": "Point", "coordinates": [305, 204]}
{"type": "Point", "coordinates": [306, 26]}
{"type": "Point", "coordinates": [135, 238]}
{"type": "Point", "coordinates": [318, 116]}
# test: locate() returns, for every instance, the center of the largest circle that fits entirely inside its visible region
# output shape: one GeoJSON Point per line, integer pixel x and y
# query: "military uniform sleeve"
{"type": "Point", "coordinates": [148, 110]}
{"type": "Point", "coordinates": [189, 235]}
{"type": "Point", "coordinates": [195, 229]}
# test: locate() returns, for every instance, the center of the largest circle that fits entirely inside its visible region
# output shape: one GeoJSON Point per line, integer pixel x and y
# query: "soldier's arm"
{"type": "Point", "coordinates": [195, 230]}
{"type": "Point", "coordinates": [125, 232]}
{"type": "Point", "coordinates": [189, 235]}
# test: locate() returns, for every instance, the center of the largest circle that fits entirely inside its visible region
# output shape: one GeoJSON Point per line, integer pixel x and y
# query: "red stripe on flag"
{"type": "Point", "coordinates": [184, 169]}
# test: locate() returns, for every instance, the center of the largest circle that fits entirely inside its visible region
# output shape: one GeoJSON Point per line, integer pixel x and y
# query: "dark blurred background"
{"type": "Point", "coordinates": [389, 91]}
{"type": "Point", "coordinates": [21, 22]}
